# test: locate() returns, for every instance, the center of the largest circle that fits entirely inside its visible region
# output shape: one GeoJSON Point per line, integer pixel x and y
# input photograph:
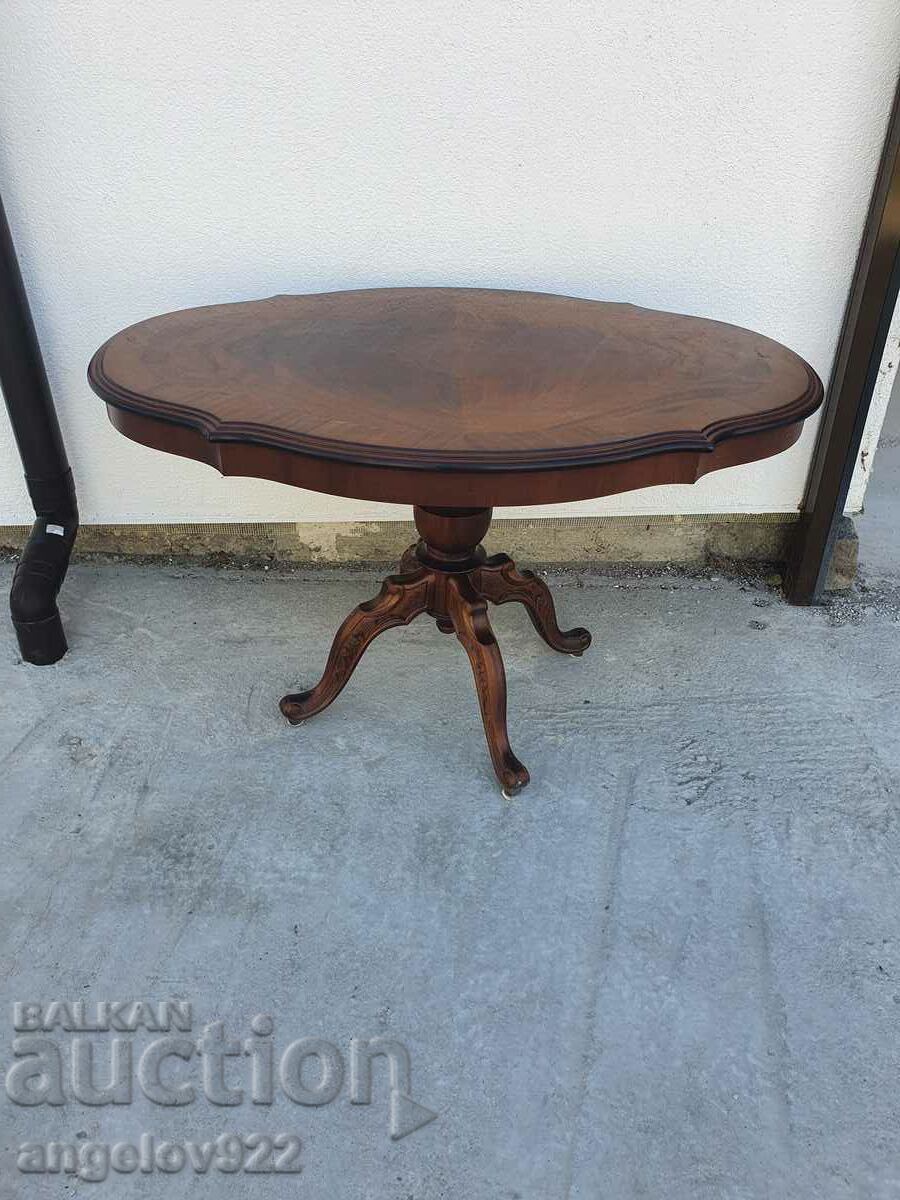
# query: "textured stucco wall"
{"type": "Point", "coordinates": [707, 156]}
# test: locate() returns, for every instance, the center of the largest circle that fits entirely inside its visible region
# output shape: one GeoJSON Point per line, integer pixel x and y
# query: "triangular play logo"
{"type": "Point", "coordinates": [406, 1115]}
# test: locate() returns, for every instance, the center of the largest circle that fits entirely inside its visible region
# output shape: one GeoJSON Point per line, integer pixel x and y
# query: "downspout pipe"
{"type": "Point", "coordinates": [23, 381]}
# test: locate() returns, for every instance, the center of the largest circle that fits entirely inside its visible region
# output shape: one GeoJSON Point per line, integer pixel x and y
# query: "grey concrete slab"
{"type": "Point", "coordinates": [670, 968]}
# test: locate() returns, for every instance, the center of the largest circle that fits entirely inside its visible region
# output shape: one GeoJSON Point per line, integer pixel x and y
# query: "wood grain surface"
{"type": "Point", "coordinates": [454, 396]}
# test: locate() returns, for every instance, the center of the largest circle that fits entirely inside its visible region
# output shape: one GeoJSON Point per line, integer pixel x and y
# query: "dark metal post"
{"type": "Point", "coordinates": [870, 307]}
{"type": "Point", "coordinates": [45, 559]}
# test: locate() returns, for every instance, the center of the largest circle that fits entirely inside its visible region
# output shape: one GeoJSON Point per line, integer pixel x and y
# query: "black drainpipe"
{"type": "Point", "coordinates": [45, 559]}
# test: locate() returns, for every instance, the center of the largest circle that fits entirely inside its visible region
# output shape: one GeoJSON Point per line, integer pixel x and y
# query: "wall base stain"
{"type": "Point", "coordinates": [643, 539]}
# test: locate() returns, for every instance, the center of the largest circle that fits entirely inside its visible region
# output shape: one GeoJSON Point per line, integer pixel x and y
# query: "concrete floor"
{"type": "Point", "coordinates": [669, 969]}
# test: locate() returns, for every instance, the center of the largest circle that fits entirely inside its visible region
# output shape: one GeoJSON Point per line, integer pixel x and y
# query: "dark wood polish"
{"type": "Point", "coordinates": [447, 575]}
{"type": "Point", "coordinates": [453, 400]}
{"type": "Point", "coordinates": [454, 396]}
{"type": "Point", "coordinates": [501, 582]}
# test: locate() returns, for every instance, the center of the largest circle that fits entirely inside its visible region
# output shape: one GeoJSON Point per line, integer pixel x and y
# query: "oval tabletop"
{"type": "Point", "coordinates": [454, 396]}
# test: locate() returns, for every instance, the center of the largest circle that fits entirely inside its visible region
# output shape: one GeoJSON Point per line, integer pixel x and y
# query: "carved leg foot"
{"type": "Point", "coordinates": [468, 613]}
{"type": "Point", "coordinates": [401, 599]}
{"type": "Point", "coordinates": [500, 581]}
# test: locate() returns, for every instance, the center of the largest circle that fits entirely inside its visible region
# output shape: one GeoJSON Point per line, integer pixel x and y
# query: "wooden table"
{"type": "Point", "coordinates": [453, 400]}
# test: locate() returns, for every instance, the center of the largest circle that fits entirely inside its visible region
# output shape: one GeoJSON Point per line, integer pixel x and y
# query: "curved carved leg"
{"type": "Point", "coordinates": [402, 598]}
{"type": "Point", "coordinates": [409, 562]}
{"type": "Point", "coordinates": [501, 581]}
{"type": "Point", "coordinates": [468, 613]}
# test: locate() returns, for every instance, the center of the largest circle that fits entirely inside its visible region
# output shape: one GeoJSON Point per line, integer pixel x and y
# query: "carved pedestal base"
{"type": "Point", "coordinates": [447, 575]}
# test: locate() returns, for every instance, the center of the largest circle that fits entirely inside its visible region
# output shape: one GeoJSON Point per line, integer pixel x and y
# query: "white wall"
{"type": "Point", "coordinates": [709, 156]}
{"type": "Point", "coordinates": [881, 397]}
